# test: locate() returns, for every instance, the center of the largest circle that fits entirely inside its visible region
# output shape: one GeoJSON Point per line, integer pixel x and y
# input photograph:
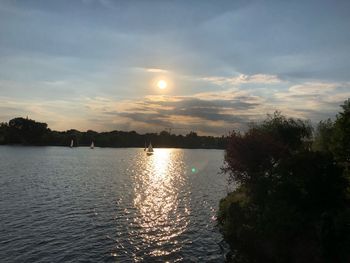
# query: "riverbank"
{"type": "Point", "coordinates": [29, 132]}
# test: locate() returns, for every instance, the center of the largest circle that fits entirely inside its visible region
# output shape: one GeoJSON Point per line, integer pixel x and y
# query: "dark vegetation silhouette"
{"type": "Point", "coordinates": [24, 131]}
{"type": "Point", "coordinates": [291, 201]}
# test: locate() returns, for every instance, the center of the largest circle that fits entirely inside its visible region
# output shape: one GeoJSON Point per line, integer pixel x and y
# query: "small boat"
{"type": "Point", "coordinates": [71, 143]}
{"type": "Point", "coordinates": [145, 147]}
{"type": "Point", "coordinates": [149, 149]}
{"type": "Point", "coordinates": [92, 145]}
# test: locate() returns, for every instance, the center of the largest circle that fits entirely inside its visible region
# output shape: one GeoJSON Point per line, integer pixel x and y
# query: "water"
{"type": "Point", "coordinates": [109, 205]}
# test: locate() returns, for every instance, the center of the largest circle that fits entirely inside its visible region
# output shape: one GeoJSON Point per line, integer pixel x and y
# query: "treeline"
{"type": "Point", "coordinates": [29, 132]}
{"type": "Point", "coordinates": [292, 196]}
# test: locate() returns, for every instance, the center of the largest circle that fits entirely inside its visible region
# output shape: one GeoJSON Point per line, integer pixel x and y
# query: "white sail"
{"type": "Point", "coordinates": [150, 148]}
{"type": "Point", "coordinates": [92, 145]}
{"type": "Point", "coordinates": [71, 144]}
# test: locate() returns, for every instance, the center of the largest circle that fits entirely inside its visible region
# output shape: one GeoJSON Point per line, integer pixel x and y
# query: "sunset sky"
{"type": "Point", "coordinates": [95, 64]}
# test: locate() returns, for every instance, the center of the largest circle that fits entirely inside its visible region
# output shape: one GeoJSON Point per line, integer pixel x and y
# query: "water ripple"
{"type": "Point", "coordinates": [109, 205]}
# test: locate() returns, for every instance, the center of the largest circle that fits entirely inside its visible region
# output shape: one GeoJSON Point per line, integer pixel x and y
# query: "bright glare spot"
{"type": "Point", "coordinates": [162, 84]}
{"type": "Point", "coordinates": [193, 170]}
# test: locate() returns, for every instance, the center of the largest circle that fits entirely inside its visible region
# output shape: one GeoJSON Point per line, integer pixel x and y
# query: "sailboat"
{"type": "Point", "coordinates": [71, 143]}
{"type": "Point", "coordinates": [149, 149]}
{"type": "Point", "coordinates": [92, 145]}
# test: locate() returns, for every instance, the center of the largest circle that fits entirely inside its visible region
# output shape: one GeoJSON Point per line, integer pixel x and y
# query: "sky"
{"type": "Point", "coordinates": [95, 64]}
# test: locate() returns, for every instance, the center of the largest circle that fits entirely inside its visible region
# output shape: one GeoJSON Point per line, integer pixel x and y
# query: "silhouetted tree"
{"type": "Point", "coordinates": [334, 137]}
{"type": "Point", "coordinates": [324, 136]}
{"type": "Point", "coordinates": [341, 137]}
{"type": "Point", "coordinates": [261, 148]}
{"type": "Point", "coordinates": [25, 131]}
{"type": "Point", "coordinates": [29, 132]}
{"type": "Point", "coordinates": [290, 204]}
{"type": "Point", "coordinates": [3, 132]}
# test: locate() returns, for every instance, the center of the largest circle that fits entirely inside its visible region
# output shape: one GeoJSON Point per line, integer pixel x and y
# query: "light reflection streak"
{"type": "Point", "coordinates": [163, 214]}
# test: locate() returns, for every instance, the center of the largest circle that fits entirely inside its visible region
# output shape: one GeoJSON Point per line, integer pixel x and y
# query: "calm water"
{"type": "Point", "coordinates": [109, 205]}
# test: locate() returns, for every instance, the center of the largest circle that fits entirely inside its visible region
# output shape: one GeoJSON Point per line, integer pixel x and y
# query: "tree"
{"type": "Point", "coordinates": [25, 131]}
{"type": "Point", "coordinates": [30, 132]}
{"type": "Point", "coordinates": [3, 132]}
{"type": "Point", "coordinates": [334, 137]}
{"type": "Point", "coordinates": [290, 204]}
{"type": "Point", "coordinates": [324, 136]}
{"type": "Point", "coordinates": [260, 149]}
{"type": "Point", "coordinates": [341, 135]}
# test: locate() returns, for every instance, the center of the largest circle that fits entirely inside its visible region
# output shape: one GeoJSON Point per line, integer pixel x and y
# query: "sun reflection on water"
{"type": "Point", "coordinates": [163, 216]}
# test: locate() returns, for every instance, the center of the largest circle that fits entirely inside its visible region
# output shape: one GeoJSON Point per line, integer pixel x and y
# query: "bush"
{"type": "Point", "coordinates": [291, 204]}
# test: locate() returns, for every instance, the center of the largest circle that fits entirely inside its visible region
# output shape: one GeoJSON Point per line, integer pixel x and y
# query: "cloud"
{"type": "Point", "coordinates": [69, 62]}
{"type": "Point", "coordinates": [198, 112]}
{"type": "Point", "coordinates": [156, 70]}
{"type": "Point", "coordinates": [104, 3]}
{"type": "Point", "coordinates": [234, 108]}
{"type": "Point", "coordinates": [313, 88]}
{"type": "Point", "coordinates": [242, 79]}
{"type": "Point", "coordinates": [213, 113]}
{"type": "Point", "coordinates": [313, 100]}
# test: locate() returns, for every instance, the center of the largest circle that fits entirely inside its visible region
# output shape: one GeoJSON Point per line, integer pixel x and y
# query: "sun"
{"type": "Point", "coordinates": [162, 84]}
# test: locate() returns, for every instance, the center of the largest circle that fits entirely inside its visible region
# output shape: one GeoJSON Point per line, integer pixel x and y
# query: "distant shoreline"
{"type": "Point", "coordinates": [24, 131]}
{"type": "Point", "coordinates": [104, 147]}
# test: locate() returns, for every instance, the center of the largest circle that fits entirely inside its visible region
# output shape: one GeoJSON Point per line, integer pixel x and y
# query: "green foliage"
{"type": "Point", "coordinates": [323, 136]}
{"type": "Point", "coordinates": [334, 137]}
{"type": "Point", "coordinates": [341, 135]}
{"type": "Point", "coordinates": [293, 133]}
{"type": "Point", "coordinates": [291, 204]}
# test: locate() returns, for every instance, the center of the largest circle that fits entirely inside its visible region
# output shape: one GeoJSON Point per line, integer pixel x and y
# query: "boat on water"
{"type": "Point", "coordinates": [145, 147]}
{"type": "Point", "coordinates": [149, 150]}
{"type": "Point", "coordinates": [92, 146]}
{"type": "Point", "coordinates": [71, 143]}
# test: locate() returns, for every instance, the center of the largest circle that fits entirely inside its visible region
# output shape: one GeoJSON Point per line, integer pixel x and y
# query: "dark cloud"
{"type": "Point", "coordinates": [207, 114]}
{"type": "Point", "coordinates": [147, 118]}
{"type": "Point", "coordinates": [162, 113]}
{"type": "Point", "coordinates": [183, 102]}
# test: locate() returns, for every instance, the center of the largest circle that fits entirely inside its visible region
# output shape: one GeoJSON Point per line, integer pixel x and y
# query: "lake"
{"type": "Point", "coordinates": [109, 205]}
